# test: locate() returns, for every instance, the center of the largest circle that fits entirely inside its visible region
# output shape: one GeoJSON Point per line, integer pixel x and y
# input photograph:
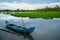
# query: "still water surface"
{"type": "Point", "coordinates": [45, 29]}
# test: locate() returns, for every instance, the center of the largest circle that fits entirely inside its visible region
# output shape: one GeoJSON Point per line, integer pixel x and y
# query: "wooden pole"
{"type": "Point", "coordinates": [23, 22]}
{"type": "Point", "coordinates": [24, 27]}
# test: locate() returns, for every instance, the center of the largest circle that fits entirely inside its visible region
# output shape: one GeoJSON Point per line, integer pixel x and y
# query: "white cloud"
{"type": "Point", "coordinates": [25, 6]}
{"type": "Point", "coordinates": [51, 5]}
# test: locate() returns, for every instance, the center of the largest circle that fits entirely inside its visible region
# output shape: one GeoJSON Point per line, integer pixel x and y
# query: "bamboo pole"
{"type": "Point", "coordinates": [23, 22]}
{"type": "Point", "coordinates": [24, 27]}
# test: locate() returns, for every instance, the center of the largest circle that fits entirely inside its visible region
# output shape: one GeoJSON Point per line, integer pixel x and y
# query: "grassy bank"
{"type": "Point", "coordinates": [49, 14]}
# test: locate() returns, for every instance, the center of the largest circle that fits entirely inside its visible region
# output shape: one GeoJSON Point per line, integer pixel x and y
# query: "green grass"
{"type": "Point", "coordinates": [49, 14]}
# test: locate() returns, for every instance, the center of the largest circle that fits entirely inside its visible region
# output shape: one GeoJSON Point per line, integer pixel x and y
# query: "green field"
{"type": "Point", "coordinates": [43, 14]}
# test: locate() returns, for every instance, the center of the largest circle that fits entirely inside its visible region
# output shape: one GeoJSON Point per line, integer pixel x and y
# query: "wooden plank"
{"type": "Point", "coordinates": [7, 31]}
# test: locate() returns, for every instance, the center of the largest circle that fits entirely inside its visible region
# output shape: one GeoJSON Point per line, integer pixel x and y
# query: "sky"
{"type": "Point", "coordinates": [28, 4]}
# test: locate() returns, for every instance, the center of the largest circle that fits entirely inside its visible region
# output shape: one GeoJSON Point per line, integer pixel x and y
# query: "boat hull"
{"type": "Point", "coordinates": [19, 29]}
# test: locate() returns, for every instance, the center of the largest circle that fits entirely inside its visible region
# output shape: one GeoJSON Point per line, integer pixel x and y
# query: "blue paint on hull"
{"type": "Point", "coordinates": [18, 29]}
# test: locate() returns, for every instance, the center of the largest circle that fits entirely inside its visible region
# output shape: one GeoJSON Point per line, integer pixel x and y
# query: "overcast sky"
{"type": "Point", "coordinates": [27, 4]}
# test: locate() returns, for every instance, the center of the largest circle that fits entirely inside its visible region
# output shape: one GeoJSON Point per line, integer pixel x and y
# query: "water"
{"type": "Point", "coordinates": [45, 29]}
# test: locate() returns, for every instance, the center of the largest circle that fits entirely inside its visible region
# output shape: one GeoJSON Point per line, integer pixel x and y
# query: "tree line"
{"type": "Point", "coordinates": [56, 8]}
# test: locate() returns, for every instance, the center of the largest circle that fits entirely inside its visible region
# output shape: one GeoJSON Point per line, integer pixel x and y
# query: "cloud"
{"type": "Point", "coordinates": [14, 5]}
{"type": "Point", "coordinates": [25, 6]}
{"type": "Point", "coordinates": [51, 5]}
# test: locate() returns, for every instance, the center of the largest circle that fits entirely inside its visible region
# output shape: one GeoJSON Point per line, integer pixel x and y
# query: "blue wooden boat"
{"type": "Point", "coordinates": [18, 29]}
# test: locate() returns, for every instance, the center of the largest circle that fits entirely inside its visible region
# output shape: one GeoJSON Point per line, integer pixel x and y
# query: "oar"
{"type": "Point", "coordinates": [23, 26]}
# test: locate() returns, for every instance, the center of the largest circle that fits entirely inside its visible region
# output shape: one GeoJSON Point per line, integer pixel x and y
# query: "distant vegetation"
{"type": "Point", "coordinates": [51, 14]}
{"type": "Point", "coordinates": [56, 8]}
{"type": "Point", "coordinates": [38, 13]}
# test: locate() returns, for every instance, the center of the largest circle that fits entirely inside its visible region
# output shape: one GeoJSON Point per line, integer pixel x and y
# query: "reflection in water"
{"type": "Point", "coordinates": [45, 29]}
{"type": "Point", "coordinates": [27, 35]}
